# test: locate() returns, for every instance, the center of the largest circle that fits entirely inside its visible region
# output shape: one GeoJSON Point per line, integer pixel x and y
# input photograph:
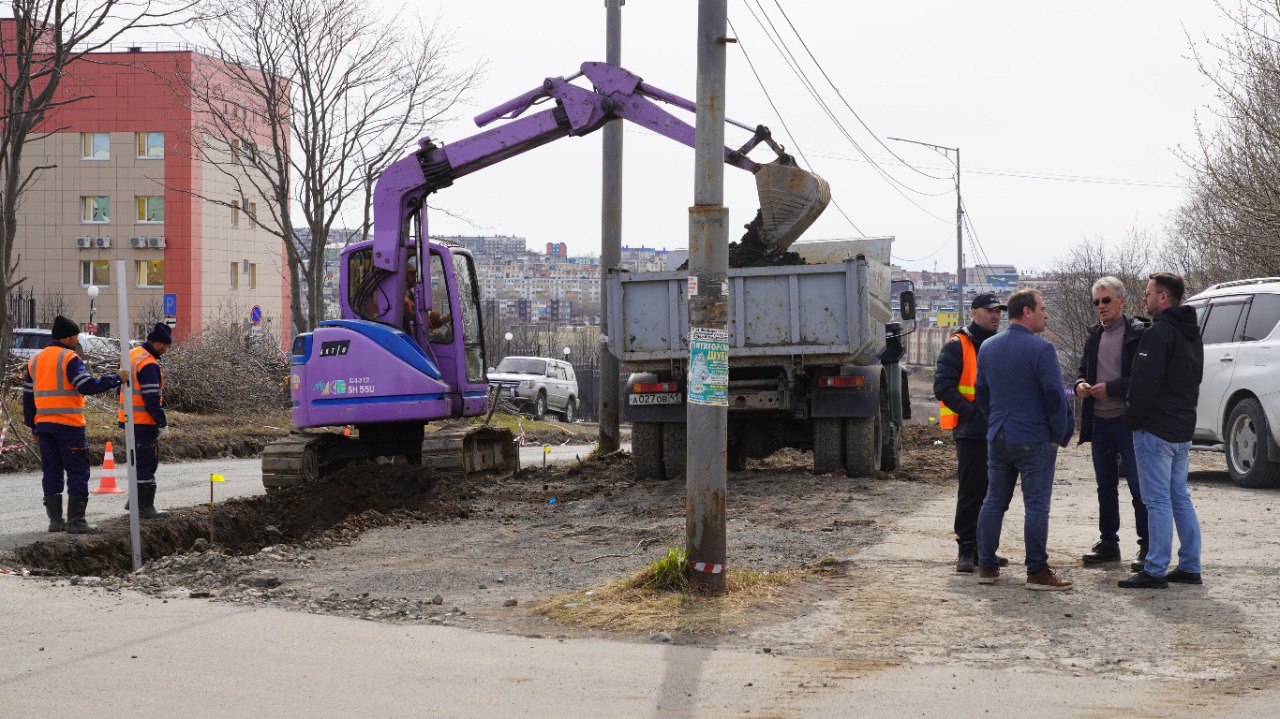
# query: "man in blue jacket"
{"type": "Point", "coordinates": [1020, 392]}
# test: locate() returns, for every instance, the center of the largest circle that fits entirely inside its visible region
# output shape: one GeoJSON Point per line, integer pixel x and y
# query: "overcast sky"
{"type": "Point", "coordinates": [1085, 90]}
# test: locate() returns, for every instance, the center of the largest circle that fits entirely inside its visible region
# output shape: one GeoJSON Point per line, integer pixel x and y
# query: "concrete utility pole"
{"type": "Point", "coordinates": [131, 455]}
{"type": "Point", "coordinates": [708, 406]}
{"type": "Point", "coordinates": [946, 152]}
{"type": "Point", "coordinates": [610, 237]}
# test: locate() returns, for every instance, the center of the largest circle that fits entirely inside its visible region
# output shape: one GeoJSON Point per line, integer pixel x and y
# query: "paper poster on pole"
{"type": "Point", "coordinates": [708, 366]}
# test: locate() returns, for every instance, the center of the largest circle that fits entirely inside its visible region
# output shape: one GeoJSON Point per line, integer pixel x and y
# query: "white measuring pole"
{"type": "Point", "coordinates": [135, 536]}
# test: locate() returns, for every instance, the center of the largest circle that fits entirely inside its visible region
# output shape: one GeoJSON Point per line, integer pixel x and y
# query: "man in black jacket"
{"type": "Point", "coordinates": [953, 387]}
{"type": "Point", "coordinates": [1161, 410]}
{"type": "Point", "coordinates": [1103, 381]}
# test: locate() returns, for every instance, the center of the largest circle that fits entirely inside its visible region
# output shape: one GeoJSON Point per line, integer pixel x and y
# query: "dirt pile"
{"type": "Point", "coordinates": [357, 499]}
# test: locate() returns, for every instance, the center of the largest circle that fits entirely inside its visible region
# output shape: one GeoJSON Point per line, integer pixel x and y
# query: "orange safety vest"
{"type": "Point", "coordinates": [139, 357]}
{"type": "Point", "coordinates": [57, 401]}
{"type": "Point", "coordinates": [968, 378]}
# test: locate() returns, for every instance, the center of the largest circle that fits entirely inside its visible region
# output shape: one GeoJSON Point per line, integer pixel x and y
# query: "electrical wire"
{"type": "Point", "coordinates": [785, 128]}
{"type": "Point", "coordinates": [840, 95]}
{"type": "Point", "coordinates": [789, 59]}
{"type": "Point", "coordinates": [1028, 174]}
{"type": "Point", "coordinates": [921, 259]}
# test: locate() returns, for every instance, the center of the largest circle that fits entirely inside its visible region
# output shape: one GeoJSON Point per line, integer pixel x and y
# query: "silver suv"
{"type": "Point", "coordinates": [1239, 409]}
{"type": "Point", "coordinates": [537, 384]}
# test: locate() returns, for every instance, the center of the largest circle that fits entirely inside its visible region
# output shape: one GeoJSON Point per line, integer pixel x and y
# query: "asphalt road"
{"type": "Point", "coordinates": [23, 520]}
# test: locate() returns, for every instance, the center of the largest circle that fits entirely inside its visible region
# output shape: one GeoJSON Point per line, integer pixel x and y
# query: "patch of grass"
{"type": "Point", "coordinates": [661, 597]}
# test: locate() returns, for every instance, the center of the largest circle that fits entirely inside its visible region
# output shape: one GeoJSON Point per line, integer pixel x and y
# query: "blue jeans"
{"type": "Point", "coordinates": [1111, 438]}
{"type": "Point", "coordinates": [1162, 472]}
{"type": "Point", "coordinates": [1004, 463]}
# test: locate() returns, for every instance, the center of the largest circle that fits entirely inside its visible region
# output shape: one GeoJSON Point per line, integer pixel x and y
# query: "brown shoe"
{"type": "Point", "coordinates": [988, 575]}
{"type": "Point", "coordinates": [1045, 580]}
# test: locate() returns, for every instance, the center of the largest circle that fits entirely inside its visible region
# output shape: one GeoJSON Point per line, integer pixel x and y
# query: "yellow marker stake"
{"type": "Point", "coordinates": [545, 451]}
{"type": "Point", "coordinates": [212, 478]}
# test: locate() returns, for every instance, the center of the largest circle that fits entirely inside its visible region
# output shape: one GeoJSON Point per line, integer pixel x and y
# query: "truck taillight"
{"type": "Point", "coordinates": [647, 387]}
{"type": "Point", "coordinates": [855, 381]}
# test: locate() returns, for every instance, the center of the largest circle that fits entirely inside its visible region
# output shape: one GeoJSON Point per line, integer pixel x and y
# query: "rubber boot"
{"type": "Point", "coordinates": [53, 506]}
{"type": "Point", "coordinates": [75, 516]}
{"type": "Point", "coordinates": [147, 503]}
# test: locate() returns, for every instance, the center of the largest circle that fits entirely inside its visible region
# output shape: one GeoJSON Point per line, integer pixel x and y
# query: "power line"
{"type": "Point", "coordinates": [785, 128]}
{"type": "Point", "coordinates": [840, 95]}
{"type": "Point", "coordinates": [1030, 174]}
{"type": "Point", "coordinates": [921, 259]}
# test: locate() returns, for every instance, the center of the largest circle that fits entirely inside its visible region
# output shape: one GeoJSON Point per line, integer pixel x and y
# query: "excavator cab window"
{"type": "Point", "coordinates": [464, 273]}
{"type": "Point", "coordinates": [360, 264]}
{"type": "Point", "coordinates": [440, 318]}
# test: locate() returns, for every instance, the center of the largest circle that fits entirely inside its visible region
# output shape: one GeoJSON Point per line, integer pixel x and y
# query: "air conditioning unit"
{"type": "Point", "coordinates": [155, 242]}
{"type": "Point", "coordinates": [84, 243]}
{"type": "Point", "coordinates": [102, 243]}
{"type": "Point", "coordinates": [137, 242]}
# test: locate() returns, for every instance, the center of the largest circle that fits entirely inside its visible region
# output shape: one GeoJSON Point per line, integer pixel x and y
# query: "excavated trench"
{"type": "Point", "coordinates": [358, 498]}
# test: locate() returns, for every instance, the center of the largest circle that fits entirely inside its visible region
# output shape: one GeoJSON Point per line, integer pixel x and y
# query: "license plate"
{"type": "Point", "coordinates": [656, 398]}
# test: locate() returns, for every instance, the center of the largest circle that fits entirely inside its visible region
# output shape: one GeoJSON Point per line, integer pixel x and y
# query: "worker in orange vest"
{"type": "Point", "coordinates": [53, 392]}
{"type": "Point", "coordinates": [149, 421]}
{"type": "Point", "coordinates": [953, 386]}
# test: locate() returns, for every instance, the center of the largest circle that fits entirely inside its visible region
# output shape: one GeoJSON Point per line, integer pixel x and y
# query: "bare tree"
{"type": "Point", "coordinates": [37, 59]}
{"type": "Point", "coordinates": [1070, 299]}
{"type": "Point", "coordinates": [313, 99]}
{"type": "Point", "coordinates": [1230, 225]}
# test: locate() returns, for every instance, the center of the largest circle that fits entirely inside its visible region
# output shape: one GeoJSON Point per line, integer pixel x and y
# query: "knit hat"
{"type": "Point", "coordinates": [64, 328]}
{"type": "Point", "coordinates": [161, 333]}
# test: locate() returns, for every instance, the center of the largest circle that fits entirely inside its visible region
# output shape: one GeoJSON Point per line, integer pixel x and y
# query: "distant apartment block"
{"type": "Point", "coordinates": [126, 179]}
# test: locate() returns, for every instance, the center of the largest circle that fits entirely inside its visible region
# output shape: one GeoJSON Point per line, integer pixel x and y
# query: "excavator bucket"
{"type": "Point", "coordinates": [790, 200]}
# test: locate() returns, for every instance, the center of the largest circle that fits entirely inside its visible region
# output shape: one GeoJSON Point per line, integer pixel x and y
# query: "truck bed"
{"type": "Point", "coordinates": [829, 313]}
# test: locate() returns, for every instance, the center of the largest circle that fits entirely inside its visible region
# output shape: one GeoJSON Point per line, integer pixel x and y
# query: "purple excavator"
{"type": "Point", "coordinates": [409, 348]}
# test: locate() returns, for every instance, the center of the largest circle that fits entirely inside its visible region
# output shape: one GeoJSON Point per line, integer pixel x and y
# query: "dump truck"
{"type": "Point", "coordinates": [812, 360]}
{"type": "Point", "coordinates": [409, 347]}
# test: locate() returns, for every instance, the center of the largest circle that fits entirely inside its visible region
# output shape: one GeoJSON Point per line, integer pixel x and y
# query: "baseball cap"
{"type": "Point", "coordinates": [987, 301]}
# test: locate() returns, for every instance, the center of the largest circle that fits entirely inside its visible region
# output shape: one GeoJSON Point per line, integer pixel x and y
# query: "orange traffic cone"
{"type": "Point", "coordinates": [107, 484]}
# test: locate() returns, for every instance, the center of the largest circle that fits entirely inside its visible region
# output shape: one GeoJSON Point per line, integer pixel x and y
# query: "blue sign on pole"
{"type": "Point", "coordinates": [255, 314]}
{"type": "Point", "coordinates": [170, 304]}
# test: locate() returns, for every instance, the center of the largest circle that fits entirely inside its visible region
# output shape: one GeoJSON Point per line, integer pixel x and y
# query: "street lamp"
{"type": "Point", "coordinates": [946, 152]}
{"type": "Point", "coordinates": [93, 295]}
{"type": "Point", "coordinates": [507, 336]}
{"type": "Point", "coordinates": [566, 354]}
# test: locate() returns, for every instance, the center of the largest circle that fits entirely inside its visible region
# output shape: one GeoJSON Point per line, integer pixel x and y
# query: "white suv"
{"type": "Point", "coordinates": [1239, 410]}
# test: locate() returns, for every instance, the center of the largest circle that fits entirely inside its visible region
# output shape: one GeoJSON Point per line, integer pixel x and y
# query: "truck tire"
{"type": "Point", "coordinates": [828, 445]}
{"type": "Point", "coordinates": [1248, 437]}
{"type": "Point", "coordinates": [646, 450]}
{"type": "Point", "coordinates": [674, 449]}
{"type": "Point", "coordinates": [540, 406]}
{"type": "Point", "coordinates": [570, 410]}
{"type": "Point", "coordinates": [862, 446]}
{"type": "Point", "coordinates": [891, 446]}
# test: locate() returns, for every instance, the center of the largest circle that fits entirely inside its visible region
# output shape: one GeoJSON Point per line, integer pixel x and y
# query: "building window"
{"type": "Point", "coordinates": [151, 145]}
{"type": "Point", "coordinates": [235, 213]}
{"type": "Point", "coordinates": [95, 272]}
{"type": "Point", "coordinates": [151, 273]}
{"type": "Point", "coordinates": [96, 146]}
{"type": "Point", "coordinates": [96, 208]}
{"type": "Point", "coordinates": [235, 149]}
{"type": "Point", "coordinates": [235, 275]}
{"type": "Point", "coordinates": [253, 276]}
{"type": "Point", "coordinates": [151, 209]}
{"type": "Point", "coordinates": [253, 215]}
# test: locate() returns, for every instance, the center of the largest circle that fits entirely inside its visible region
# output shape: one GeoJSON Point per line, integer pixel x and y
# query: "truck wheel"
{"type": "Point", "coordinates": [1248, 436]}
{"type": "Point", "coordinates": [890, 446]}
{"type": "Point", "coordinates": [828, 445]}
{"type": "Point", "coordinates": [646, 450]}
{"type": "Point", "coordinates": [569, 410]}
{"type": "Point", "coordinates": [673, 449]}
{"type": "Point", "coordinates": [540, 406]}
{"type": "Point", "coordinates": [862, 445]}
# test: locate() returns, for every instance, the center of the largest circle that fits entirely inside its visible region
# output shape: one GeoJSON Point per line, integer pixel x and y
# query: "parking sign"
{"type": "Point", "coordinates": [170, 304]}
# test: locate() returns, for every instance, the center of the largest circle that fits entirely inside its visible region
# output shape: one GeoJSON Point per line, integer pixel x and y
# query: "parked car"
{"type": "Point", "coordinates": [1239, 410]}
{"type": "Point", "coordinates": [27, 341]}
{"type": "Point", "coordinates": [538, 385]}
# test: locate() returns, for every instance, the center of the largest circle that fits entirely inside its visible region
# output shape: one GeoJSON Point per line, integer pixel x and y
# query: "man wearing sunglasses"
{"type": "Point", "coordinates": [1102, 382]}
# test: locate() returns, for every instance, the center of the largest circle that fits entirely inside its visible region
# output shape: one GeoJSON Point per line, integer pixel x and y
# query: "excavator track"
{"type": "Point", "coordinates": [306, 457]}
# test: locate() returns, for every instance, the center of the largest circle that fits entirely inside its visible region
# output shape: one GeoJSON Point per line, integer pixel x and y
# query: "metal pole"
{"type": "Point", "coordinates": [707, 409]}
{"type": "Point", "coordinates": [959, 249]}
{"type": "Point", "coordinates": [610, 238]}
{"type": "Point", "coordinates": [122, 299]}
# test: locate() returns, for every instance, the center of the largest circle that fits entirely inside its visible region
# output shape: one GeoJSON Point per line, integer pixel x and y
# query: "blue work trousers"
{"type": "Point", "coordinates": [63, 449]}
{"type": "Point", "coordinates": [147, 439]}
{"type": "Point", "coordinates": [1005, 463]}
{"type": "Point", "coordinates": [1162, 470]}
{"type": "Point", "coordinates": [1113, 441]}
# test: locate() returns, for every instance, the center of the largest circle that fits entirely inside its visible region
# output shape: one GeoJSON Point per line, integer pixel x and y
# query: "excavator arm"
{"type": "Point", "coordinates": [791, 198]}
